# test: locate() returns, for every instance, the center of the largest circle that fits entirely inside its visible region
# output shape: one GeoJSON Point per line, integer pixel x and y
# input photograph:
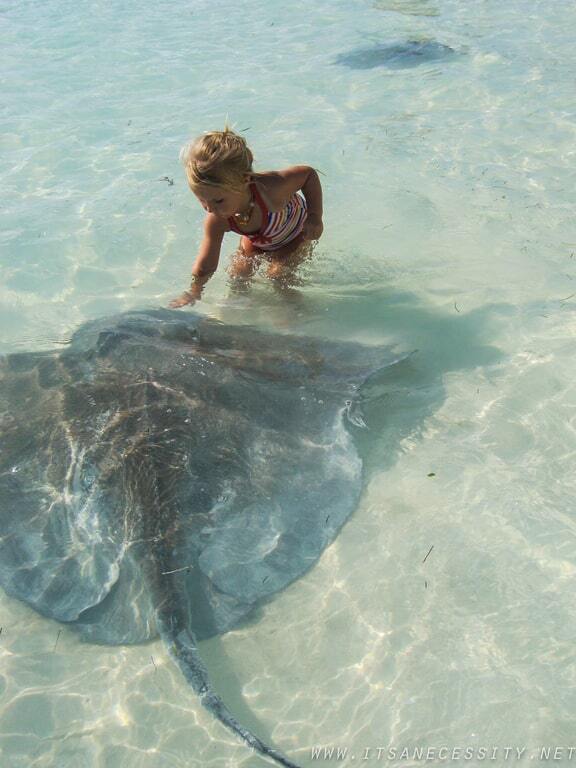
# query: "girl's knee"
{"type": "Point", "coordinates": [242, 266]}
{"type": "Point", "coordinates": [277, 270]}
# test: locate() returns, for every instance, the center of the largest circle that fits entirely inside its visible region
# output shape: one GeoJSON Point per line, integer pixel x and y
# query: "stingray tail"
{"type": "Point", "coordinates": [185, 651]}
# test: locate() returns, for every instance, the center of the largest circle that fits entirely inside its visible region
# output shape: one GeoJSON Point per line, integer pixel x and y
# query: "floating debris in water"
{"type": "Point", "coordinates": [430, 550]}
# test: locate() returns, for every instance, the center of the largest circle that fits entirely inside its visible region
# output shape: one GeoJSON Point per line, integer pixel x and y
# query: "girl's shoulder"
{"type": "Point", "coordinates": [277, 187]}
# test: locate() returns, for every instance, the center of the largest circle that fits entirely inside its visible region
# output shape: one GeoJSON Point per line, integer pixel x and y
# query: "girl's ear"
{"type": "Point", "coordinates": [248, 178]}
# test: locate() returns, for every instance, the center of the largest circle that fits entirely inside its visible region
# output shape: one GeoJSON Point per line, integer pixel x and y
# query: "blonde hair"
{"type": "Point", "coordinates": [218, 158]}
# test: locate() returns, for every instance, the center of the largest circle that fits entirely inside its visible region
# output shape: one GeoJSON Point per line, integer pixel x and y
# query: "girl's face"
{"type": "Point", "coordinates": [220, 201]}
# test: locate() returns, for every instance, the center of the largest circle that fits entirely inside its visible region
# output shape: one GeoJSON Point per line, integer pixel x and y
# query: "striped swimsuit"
{"type": "Point", "coordinates": [278, 227]}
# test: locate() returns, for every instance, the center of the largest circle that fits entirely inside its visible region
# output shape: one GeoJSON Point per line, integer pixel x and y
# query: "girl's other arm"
{"type": "Point", "coordinates": [206, 261]}
{"type": "Point", "coordinates": [305, 178]}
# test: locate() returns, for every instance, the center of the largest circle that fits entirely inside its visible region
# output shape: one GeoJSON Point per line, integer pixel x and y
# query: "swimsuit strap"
{"type": "Point", "coordinates": [258, 197]}
{"type": "Point", "coordinates": [261, 203]}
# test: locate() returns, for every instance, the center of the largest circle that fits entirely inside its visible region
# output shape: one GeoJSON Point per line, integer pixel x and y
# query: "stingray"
{"type": "Point", "coordinates": [404, 55]}
{"type": "Point", "coordinates": [164, 474]}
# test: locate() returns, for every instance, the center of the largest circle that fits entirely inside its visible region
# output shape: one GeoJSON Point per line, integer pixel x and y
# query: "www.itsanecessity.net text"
{"type": "Point", "coordinates": [477, 754]}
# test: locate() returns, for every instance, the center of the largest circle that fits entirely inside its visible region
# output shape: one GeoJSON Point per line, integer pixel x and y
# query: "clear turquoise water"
{"type": "Point", "coordinates": [449, 197]}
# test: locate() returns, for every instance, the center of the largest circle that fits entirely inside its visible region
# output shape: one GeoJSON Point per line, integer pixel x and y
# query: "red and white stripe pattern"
{"type": "Point", "coordinates": [282, 226]}
{"type": "Point", "coordinates": [279, 227]}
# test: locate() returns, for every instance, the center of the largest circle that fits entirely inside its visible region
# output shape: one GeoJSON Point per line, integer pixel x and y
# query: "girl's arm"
{"type": "Point", "coordinates": [305, 178]}
{"type": "Point", "coordinates": [206, 261]}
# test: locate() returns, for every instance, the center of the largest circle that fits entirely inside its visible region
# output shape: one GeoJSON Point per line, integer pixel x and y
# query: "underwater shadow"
{"type": "Point", "coordinates": [396, 402]}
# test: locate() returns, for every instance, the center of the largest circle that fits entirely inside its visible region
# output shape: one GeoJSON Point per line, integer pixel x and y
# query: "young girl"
{"type": "Point", "coordinates": [264, 208]}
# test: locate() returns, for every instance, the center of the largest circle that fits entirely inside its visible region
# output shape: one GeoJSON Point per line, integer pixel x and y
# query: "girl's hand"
{"type": "Point", "coordinates": [312, 228]}
{"type": "Point", "coordinates": [182, 300]}
{"type": "Point", "coordinates": [193, 294]}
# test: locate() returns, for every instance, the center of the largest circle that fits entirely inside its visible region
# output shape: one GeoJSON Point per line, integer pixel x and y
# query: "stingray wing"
{"type": "Point", "coordinates": [63, 528]}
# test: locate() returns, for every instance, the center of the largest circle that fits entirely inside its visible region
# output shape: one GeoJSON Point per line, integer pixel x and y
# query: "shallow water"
{"type": "Point", "coordinates": [449, 200]}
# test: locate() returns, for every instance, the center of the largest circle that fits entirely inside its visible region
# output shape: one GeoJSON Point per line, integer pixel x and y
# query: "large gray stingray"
{"type": "Point", "coordinates": [164, 474]}
{"type": "Point", "coordinates": [402, 55]}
